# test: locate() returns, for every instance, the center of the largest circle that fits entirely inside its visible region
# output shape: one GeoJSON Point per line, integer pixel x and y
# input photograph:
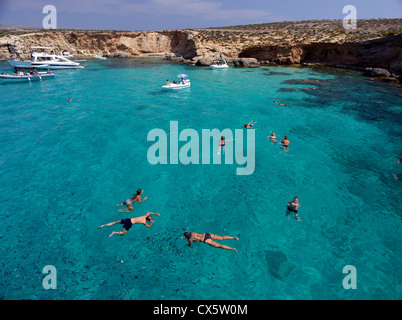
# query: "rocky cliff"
{"type": "Point", "coordinates": [375, 44]}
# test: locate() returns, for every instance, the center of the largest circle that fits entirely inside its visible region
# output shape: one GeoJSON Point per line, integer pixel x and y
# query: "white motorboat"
{"type": "Point", "coordinates": [179, 85]}
{"type": "Point", "coordinates": [219, 63]}
{"type": "Point", "coordinates": [27, 76]}
{"type": "Point", "coordinates": [44, 60]}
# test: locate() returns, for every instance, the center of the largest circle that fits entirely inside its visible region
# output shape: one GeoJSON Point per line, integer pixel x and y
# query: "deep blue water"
{"type": "Point", "coordinates": [64, 166]}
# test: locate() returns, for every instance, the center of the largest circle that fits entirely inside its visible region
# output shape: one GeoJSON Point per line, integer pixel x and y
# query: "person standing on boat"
{"type": "Point", "coordinates": [167, 82]}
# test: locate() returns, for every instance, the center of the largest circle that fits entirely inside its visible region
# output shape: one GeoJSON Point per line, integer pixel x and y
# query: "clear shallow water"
{"type": "Point", "coordinates": [64, 167]}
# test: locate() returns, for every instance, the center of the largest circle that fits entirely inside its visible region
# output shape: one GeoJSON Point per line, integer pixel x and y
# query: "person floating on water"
{"type": "Point", "coordinates": [208, 238]}
{"type": "Point", "coordinates": [280, 104]}
{"type": "Point", "coordinates": [222, 144]}
{"type": "Point", "coordinates": [285, 143]}
{"type": "Point", "coordinates": [292, 207]}
{"type": "Point", "coordinates": [128, 223]}
{"type": "Point", "coordinates": [272, 137]}
{"type": "Point", "coordinates": [250, 125]}
{"type": "Point", "coordinates": [129, 202]}
{"type": "Point", "coordinates": [69, 100]}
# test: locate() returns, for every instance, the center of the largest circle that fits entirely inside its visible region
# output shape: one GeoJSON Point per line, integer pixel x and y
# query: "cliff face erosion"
{"type": "Point", "coordinates": [375, 47]}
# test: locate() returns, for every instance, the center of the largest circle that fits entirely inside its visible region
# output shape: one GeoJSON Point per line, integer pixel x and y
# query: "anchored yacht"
{"type": "Point", "coordinates": [43, 60]}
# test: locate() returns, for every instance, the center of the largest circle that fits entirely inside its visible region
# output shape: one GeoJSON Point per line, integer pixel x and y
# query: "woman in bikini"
{"type": "Point", "coordinates": [250, 124]}
{"type": "Point", "coordinates": [208, 238]}
{"type": "Point", "coordinates": [222, 144]}
{"type": "Point", "coordinates": [273, 137]}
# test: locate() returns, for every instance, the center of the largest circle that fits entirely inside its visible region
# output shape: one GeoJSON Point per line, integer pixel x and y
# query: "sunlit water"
{"type": "Point", "coordinates": [64, 166]}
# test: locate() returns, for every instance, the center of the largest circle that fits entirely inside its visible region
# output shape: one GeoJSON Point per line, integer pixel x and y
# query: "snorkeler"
{"type": "Point", "coordinates": [285, 143]}
{"type": "Point", "coordinates": [272, 137]}
{"type": "Point", "coordinates": [249, 125]}
{"type": "Point", "coordinates": [292, 207]}
{"type": "Point", "coordinates": [129, 202]}
{"type": "Point", "coordinates": [208, 238]}
{"type": "Point", "coordinates": [128, 223]}
{"type": "Point", "coordinates": [280, 104]}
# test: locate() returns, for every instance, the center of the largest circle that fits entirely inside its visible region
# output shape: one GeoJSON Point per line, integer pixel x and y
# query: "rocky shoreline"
{"type": "Point", "coordinates": [374, 49]}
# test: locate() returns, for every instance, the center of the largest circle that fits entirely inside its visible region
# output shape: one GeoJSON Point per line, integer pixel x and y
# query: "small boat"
{"type": "Point", "coordinates": [219, 63]}
{"type": "Point", "coordinates": [179, 85]}
{"type": "Point", "coordinates": [100, 58]}
{"type": "Point", "coordinates": [27, 76]}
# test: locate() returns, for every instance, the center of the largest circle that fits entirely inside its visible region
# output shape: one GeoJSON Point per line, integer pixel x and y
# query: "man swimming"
{"type": "Point", "coordinates": [128, 223]}
{"type": "Point", "coordinates": [292, 207]}
{"type": "Point", "coordinates": [208, 238]}
{"type": "Point", "coordinates": [280, 104]}
{"type": "Point", "coordinates": [129, 202]}
{"type": "Point", "coordinates": [285, 143]}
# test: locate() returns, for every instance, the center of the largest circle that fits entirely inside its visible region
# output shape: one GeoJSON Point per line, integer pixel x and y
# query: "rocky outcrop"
{"type": "Point", "coordinates": [242, 49]}
{"type": "Point", "coordinates": [384, 53]}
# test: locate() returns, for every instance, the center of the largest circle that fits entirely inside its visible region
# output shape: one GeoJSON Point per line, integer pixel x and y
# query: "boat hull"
{"type": "Point", "coordinates": [223, 66]}
{"type": "Point", "coordinates": [38, 76]}
{"type": "Point", "coordinates": [177, 86]}
{"type": "Point", "coordinates": [43, 65]}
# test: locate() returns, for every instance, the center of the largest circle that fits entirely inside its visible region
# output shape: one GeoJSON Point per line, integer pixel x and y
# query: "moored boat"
{"type": "Point", "coordinates": [179, 85]}
{"type": "Point", "coordinates": [27, 76]}
{"type": "Point", "coordinates": [44, 60]}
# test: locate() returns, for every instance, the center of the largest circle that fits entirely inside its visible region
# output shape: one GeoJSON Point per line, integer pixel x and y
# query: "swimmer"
{"type": "Point", "coordinates": [397, 176]}
{"type": "Point", "coordinates": [249, 125]}
{"type": "Point", "coordinates": [69, 100]}
{"type": "Point", "coordinates": [280, 104]}
{"type": "Point", "coordinates": [128, 223]}
{"type": "Point", "coordinates": [129, 202]}
{"type": "Point", "coordinates": [222, 144]}
{"type": "Point", "coordinates": [272, 137]}
{"type": "Point", "coordinates": [285, 143]}
{"type": "Point", "coordinates": [208, 238]}
{"type": "Point", "coordinates": [292, 207]}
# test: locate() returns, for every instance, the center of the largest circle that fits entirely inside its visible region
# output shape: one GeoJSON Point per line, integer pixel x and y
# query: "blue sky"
{"type": "Point", "coordinates": [180, 14]}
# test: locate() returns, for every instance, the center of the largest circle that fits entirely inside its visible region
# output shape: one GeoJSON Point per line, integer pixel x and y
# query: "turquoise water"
{"type": "Point", "coordinates": [64, 166]}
